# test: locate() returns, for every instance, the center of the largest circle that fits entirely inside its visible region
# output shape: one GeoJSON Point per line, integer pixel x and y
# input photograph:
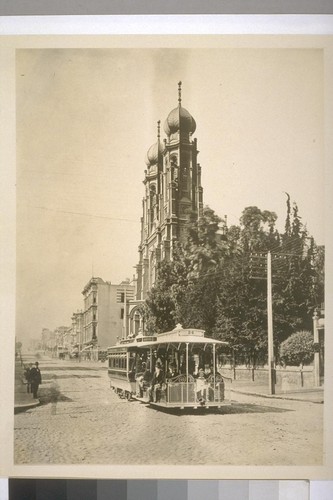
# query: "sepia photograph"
{"type": "Point", "coordinates": [170, 255]}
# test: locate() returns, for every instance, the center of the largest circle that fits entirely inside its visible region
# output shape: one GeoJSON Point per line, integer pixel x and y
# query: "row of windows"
{"type": "Point", "coordinates": [92, 316]}
{"type": "Point", "coordinates": [118, 362]}
{"type": "Point", "coordinates": [90, 300]}
{"type": "Point", "coordinates": [121, 295]}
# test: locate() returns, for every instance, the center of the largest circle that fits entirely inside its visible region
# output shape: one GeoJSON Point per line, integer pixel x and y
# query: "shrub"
{"type": "Point", "coordinates": [297, 349]}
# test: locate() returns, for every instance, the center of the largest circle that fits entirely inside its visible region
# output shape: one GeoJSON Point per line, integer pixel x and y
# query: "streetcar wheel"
{"type": "Point", "coordinates": [128, 396]}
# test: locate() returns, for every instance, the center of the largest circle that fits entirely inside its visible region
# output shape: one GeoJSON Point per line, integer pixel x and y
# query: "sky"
{"type": "Point", "coordinates": [85, 119]}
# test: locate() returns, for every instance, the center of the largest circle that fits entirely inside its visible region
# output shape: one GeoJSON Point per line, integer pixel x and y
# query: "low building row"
{"type": "Point", "coordinates": [109, 313]}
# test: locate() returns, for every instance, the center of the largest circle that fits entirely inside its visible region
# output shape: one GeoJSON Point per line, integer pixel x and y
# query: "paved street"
{"type": "Point", "coordinates": [90, 425]}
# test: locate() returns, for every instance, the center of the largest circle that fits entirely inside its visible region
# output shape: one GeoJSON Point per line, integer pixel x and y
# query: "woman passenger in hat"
{"type": "Point", "coordinates": [201, 386]}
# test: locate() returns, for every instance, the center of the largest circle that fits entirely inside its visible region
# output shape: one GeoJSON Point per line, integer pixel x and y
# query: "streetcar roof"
{"type": "Point", "coordinates": [176, 336]}
{"type": "Point", "coordinates": [183, 339]}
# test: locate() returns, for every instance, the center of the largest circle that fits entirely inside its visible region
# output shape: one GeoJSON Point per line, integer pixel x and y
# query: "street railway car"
{"type": "Point", "coordinates": [176, 369]}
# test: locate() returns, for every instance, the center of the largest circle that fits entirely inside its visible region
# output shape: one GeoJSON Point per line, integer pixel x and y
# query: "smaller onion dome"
{"type": "Point", "coordinates": [153, 153]}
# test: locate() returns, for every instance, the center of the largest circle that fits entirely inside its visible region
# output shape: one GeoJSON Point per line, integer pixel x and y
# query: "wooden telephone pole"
{"type": "Point", "coordinates": [271, 364]}
{"type": "Point", "coordinates": [263, 271]}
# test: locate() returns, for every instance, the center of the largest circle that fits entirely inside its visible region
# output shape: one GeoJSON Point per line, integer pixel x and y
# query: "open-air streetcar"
{"type": "Point", "coordinates": [176, 369]}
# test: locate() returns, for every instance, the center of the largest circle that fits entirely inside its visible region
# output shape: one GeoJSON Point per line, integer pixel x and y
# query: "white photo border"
{"type": "Point", "coordinates": [47, 38]}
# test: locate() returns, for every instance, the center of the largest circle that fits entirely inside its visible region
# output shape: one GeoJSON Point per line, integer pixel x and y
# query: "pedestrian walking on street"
{"type": "Point", "coordinates": [35, 379]}
{"type": "Point", "coordinates": [27, 377]}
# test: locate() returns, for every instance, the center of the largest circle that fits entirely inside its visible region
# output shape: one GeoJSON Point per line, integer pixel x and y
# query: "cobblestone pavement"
{"type": "Point", "coordinates": [89, 424]}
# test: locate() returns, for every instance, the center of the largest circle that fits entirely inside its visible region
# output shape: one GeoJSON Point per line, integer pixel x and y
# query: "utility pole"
{"type": "Point", "coordinates": [271, 365]}
{"type": "Point", "coordinates": [125, 314]}
{"type": "Point", "coordinates": [261, 268]}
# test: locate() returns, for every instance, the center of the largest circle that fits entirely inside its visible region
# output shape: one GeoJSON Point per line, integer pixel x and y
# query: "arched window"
{"type": "Point", "coordinates": [136, 323]}
{"type": "Point", "coordinates": [153, 202]}
{"type": "Point", "coordinates": [152, 269]}
{"type": "Point", "coordinates": [174, 168]}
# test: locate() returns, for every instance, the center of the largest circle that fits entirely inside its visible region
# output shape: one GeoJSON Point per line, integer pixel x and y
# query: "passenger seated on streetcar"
{"type": "Point", "coordinates": [156, 358]}
{"type": "Point", "coordinates": [201, 386]}
{"type": "Point", "coordinates": [172, 372]}
{"type": "Point", "coordinates": [156, 383]}
{"type": "Point", "coordinates": [208, 370]}
{"type": "Point", "coordinates": [182, 364]}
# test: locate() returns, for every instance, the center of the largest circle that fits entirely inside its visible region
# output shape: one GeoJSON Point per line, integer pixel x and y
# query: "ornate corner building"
{"type": "Point", "coordinates": [172, 191]}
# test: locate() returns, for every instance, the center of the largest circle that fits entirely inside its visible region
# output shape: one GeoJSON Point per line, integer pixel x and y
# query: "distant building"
{"type": "Point", "coordinates": [35, 344]}
{"type": "Point", "coordinates": [62, 340]}
{"type": "Point", "coordinates": [105, 314]}
{"type": "Point", "coordinates": [78, 329]}
{"type": "Point", "coordinates": [48, 340]}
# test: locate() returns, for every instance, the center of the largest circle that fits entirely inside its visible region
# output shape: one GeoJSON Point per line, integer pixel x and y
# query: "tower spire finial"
{"type": "Point", "coordinates": [179, 92]}
{"type": "Point", "coordinates": [158, 128]}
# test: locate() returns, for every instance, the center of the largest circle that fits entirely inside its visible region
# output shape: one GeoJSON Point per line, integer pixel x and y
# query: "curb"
{"type": "Point", "coordinates": [18, 408]}
{"type": "Point", "coordinates": [279, 396]}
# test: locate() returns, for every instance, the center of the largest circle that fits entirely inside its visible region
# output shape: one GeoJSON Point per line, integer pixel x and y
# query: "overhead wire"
{"type": "Point", "coordinates": [108, 217]}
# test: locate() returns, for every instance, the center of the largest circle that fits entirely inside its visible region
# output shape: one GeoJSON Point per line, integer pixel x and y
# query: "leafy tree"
{"type": "Point", "coordinates": [296, 288]}
{"type": "Point", "coordinates": [182, 294]}
{"type": "Point", "coordinates": [210, 282]}
{"type": "Point", "coordinates": [257, 229]}
{"type": "Point", "coordinates": [287, 223]}
{"type": "Point", "coordinates": [242, 307]}
{"type": "Point", "coordinates": [203, 248]}
{"type": "Point", "coordinates": [160, 304]}
{"type": "Point", "coordinates": [297, 349]}
{"type": "Point", "coordinates": [18, 348]}
{"type": "Point", "coordinates": [318, 262]}
{"type": "Point", "coordinates": [197, 305]}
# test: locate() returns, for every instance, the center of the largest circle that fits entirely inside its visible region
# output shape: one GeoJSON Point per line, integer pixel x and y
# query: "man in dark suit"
{"type": "Point", "coordinates": [156, 384]}
{"type": "Point", "coordinates": [35, 379]}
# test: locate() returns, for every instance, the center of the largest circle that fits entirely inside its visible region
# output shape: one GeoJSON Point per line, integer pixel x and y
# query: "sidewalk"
{"type": "Point", "coordinates": [313, 395]}
{"type": "Point", "coordinates": [22, 399]}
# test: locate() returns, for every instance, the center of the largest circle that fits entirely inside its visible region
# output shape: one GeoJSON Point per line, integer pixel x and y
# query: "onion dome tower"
{"type": "Point", "coordinates": [180, 123]}
{"type": "Point", "coordinates": [155, 152]}
{"type": "Point", "coordinates": [172, 192]}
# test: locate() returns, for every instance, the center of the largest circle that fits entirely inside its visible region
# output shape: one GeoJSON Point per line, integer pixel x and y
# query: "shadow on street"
{"type": "Point", "coordinates": [45, 396]}
{"type": "Point", "coordinates": [70, 376]}
{"type": "Point", "coordinates": [76, 367]}
{"type": "Point", "coordinates": [233, 409]}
